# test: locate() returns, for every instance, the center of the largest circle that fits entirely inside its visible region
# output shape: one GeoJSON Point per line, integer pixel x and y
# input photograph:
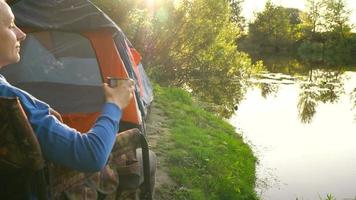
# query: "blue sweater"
{"type": "Point", "coordinates": [63, 145]}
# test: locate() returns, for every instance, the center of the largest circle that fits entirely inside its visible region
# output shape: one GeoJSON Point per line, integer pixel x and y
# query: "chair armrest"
{"type": "Point", "coordinates": [124, 154]}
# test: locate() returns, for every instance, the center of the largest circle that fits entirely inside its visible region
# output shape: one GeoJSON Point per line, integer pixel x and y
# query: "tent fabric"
{"type": "Point", "coordinates": [39, 64]}
{"type": "Point", "coordinates": [42, 71]}
{"type": "Point", "coordinates": [146, 86]}
{"type": "Point", "coordinates": [76, 120]}
{"type": "Point", "coordinates": [83, 41]}
{"type": "Point", "coordinates": [112, 65]}
{"type": "Point", "coordinates": [62, 15]}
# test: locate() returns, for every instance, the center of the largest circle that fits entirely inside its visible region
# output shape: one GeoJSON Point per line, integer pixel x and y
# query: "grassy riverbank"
{"type": "Point", "coordinates": [204, 155]}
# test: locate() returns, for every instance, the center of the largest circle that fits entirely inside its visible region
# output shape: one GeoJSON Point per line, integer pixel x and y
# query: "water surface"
{"type": "Point", "coordinates": [303, 131]}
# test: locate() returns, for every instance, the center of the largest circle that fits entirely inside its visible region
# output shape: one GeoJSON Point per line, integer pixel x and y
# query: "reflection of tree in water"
{"type": "Point", "coordinates": [321, 86]}
{"type": "Point", "coordinates": [306, 105]}
{"type": "Point", "coordinates": [220, 91]}
{"type": "Point", "coordinates": [269, 83]}
{"type": "Point", "coordinates": [353, 100]}
{"type": "Point", "coordinates": [219, 94]}
{"type": "Point", "coordinates": [267, 89]}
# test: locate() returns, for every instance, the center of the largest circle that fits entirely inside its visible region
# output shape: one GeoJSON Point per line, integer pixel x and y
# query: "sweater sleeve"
{"type": "Point", "coordinates": [84, 152]}
{"type": "Point", "coordinates": [66, 146]}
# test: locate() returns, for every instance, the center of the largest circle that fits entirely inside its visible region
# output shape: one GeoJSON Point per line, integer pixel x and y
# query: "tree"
{"type": "Point", "coordinates": [274, 28]}
{"type": "Point", "coordinates": [202, 54]}
{"type": "Point", "coordinates": [313, 19]}
{"type": "Point", "coordinates": [326, 33]}
{"type": "Point", "coordinates": [236, 13]}
{"type": "Point", "coordinates": [337, 16]}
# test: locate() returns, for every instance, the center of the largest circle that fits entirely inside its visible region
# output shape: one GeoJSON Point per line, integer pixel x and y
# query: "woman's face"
{"type": "Point", "coordinates": [10, 36]}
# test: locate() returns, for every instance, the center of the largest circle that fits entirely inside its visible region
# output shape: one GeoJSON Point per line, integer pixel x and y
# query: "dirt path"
{"type": "Point", "coordinates": [158, 133]}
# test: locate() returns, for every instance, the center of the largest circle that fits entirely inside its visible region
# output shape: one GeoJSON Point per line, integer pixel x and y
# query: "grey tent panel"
{"type": "Point", "coordinates": [39, 64]}
{"type": "Point", "coordinates": [68, 84]}
{"type": "Point", "coordinates": [65, 15]}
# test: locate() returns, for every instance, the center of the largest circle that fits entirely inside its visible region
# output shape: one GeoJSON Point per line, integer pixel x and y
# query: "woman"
{"type": "Point", "coordinates": [59, 143]}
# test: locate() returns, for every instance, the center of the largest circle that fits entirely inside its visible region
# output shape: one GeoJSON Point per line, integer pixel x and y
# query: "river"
{"type": "Point", "coordinates": [302, 128]}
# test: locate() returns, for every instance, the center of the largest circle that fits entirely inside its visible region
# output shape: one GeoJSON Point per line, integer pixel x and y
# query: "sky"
{"type": "Point", "coordinates": [251, 6]}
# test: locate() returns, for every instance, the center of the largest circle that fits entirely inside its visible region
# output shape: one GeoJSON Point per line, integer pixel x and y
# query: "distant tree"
{"type": "Point", "coordinates": [311, 48]}
{"type": "Point", "coordinates": [337, 17]}
{"type": "Point", "coordinates": [236, 13]}
{"type": "Point", "coordinates": [274, 29]}
{"type": "Point", "coordinates": [295, 21]}
{"type": "Point", "coordinates": [313, 19]}
{"type": "Point", "coordinates": [326, 33]}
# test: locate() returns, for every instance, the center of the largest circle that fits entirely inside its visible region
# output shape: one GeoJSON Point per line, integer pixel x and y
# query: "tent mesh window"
{"type": "Point", "coordinates": [61, 69]}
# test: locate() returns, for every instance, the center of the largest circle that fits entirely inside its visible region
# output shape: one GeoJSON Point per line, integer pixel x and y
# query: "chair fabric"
{"type": "Point", "coordinates": [21, 163]}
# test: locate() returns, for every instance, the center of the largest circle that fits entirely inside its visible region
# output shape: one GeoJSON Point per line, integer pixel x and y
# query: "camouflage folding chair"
{"type": "Point", "coordinates": [20, 154]}
{"type": "Point", "coordinates": [24, 171]}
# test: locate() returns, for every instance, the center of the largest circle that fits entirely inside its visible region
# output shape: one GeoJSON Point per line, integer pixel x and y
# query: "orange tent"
{"type": "Point", "coordinates": [70, 50]}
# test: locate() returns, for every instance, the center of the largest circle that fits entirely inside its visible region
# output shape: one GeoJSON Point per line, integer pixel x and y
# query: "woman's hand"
{"type": "Point", "coordinates": [121, 94]}
{"type": "Point", "coordinates": [56, 114]}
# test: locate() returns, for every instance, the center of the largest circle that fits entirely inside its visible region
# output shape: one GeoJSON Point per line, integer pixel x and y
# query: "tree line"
{"type": "Point", "coordinates": [320, 34]}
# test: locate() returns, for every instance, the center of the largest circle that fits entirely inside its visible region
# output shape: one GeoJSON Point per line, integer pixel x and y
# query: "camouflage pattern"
{"type": "Point", "coordinates": [19, 148]}
{"type": "Point", "coordinates": [69, 184]}
{"type": "Point", "coordinates": [124, 152]}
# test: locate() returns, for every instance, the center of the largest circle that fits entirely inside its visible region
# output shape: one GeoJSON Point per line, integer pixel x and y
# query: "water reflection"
{"type": "Point", "coordinates": [219, 93]}
{"type": "Point", "coordinates": [315, 87]}
{"type": "Point", "coordinates": [321, 86]}
{"type": "Point", "coordinates": [222, 92]}
{"type": "Point", "coordinates": [267, 89]}
{"type": "Point", "coordinates": [299, 160]}
{"type": "Point", "coordinates": [301, 119]}
{"type": "Point", "coordinates": [269, 83]}
{"type": "Point", "coordinates": [353, 100]}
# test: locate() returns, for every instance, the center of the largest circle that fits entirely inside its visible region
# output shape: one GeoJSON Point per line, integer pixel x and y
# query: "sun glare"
{"type": "Point", "coordinates": [159, 2]}
{"type": "Point", "coordinates": [153, 3]}
{"type": "Point", "coordinates": [150, 2]}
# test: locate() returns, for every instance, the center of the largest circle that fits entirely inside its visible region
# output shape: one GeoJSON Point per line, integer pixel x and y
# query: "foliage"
{"type": "Point", "coordinates": [274, 29]}
{"type": "Point", "coordinates": [321, 34]}
{"type": "Point", "coordinates": [336, 16]}
{"type": "Point", "coordinates": [311, 51]}
{"type": "Point", "coordinates": [313, 20]}
{"type": "Point", "coordinates": [328, 23]}
{"type": "Point", "coordinates": [207, 158]}
{"type": "Point", "coordinates": [236, 13]}
{"type": "Point", "coordinates": [192, 45]}
{"type": "Point", "coordinates": [203, 56]}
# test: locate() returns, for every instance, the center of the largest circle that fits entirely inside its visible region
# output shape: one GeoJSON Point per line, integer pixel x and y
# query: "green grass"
{"type": "Point", "coordinates": [206, 157]}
